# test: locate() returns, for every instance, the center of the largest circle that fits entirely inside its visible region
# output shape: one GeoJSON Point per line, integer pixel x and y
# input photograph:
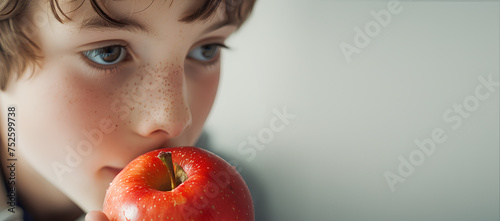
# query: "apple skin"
{"type": "Point", "coordinates": [214, 190]}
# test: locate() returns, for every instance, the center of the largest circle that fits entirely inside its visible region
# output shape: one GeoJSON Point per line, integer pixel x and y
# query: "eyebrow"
{"type": "Point", "coordinates": [219, 24]}
{"type": "Point", "coordinates": [97, 23]}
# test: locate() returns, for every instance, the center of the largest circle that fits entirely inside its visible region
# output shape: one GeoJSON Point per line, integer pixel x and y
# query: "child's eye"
{"type": "Point", "coordinates": [206, 52]}
{"type": "Point", "coordinates": [108, 55]}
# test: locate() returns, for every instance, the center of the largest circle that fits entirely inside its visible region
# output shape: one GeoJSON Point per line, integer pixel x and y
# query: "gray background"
{"type": "Point", "coordinates": [353, 120]}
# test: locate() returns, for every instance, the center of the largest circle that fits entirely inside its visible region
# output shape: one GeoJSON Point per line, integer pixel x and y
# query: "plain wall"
{"type": "Point", "coordinates": [355, 121]}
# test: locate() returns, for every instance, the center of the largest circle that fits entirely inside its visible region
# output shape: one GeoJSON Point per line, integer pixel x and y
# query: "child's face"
{"type": "Point", "coordinates": [83, 116]}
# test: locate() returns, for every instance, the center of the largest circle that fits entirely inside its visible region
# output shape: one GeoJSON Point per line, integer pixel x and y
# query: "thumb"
{"type": "Point", "coordinates": [96, 216]}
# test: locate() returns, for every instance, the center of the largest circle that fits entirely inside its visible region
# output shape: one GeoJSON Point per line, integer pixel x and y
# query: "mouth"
{"type": "Point", "coordinates": [112, 171]}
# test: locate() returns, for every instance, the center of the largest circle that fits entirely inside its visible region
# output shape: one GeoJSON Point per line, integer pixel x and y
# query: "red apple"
{"type": "Point", "coordinates": [180, 183]}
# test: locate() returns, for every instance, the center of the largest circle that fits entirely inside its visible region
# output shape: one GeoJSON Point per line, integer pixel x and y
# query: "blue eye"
{"type": "Point", "coordinates": [206, 52]}
{"type": "Point", "coordinates": [108, 55]}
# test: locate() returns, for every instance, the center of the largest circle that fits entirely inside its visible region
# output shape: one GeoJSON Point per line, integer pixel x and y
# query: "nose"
{"type": "Point", "coordinates": [164, 108]}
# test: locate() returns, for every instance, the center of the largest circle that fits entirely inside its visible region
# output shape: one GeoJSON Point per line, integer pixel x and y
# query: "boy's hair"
{"type": "Point", "coordinates": [18, 51]}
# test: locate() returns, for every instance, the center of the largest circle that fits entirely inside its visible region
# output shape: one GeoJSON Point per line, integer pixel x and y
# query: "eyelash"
{"type": "Point", "coordinates": [98, 51]}
{"type": "Point", "coordinates": [116, 68]}
{"type": "Point", "coordinates": [209, 65]}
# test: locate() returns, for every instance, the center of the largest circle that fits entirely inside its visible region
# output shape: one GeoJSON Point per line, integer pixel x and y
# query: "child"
{"type": "Point", "coordinates": [87, 86]}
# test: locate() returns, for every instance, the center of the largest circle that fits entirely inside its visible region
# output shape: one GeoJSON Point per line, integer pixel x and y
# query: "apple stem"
{"type": "Point", "coordinates": [166, 158]}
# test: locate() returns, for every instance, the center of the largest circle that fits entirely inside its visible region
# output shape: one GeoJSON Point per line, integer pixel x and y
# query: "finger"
{"type": "Point", "coordinates": [96, 216]}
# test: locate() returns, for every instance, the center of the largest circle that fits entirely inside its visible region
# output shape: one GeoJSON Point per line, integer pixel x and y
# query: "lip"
{"type": "Point", "coordinates": [114, 171]}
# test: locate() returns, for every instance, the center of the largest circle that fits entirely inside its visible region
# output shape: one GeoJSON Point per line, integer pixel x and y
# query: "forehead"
{"type": "Point", "coordinates": [132, 14]}
{"type": "Point", "coordinates": [126, 8]}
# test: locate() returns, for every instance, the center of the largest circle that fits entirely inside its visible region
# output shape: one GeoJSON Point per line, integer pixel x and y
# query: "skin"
{"type": "Point", "coordinates": [66, 97]}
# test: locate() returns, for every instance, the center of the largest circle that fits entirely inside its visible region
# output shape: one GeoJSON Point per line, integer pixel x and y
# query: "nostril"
{"type": "Point", "coordinates": [172, 126]}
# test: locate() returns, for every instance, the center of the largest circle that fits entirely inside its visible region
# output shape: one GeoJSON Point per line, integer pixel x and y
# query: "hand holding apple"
{"type": "Point", "coordinates": [180, 183]}
{"type": "Point", "coordinates": [96, 215]}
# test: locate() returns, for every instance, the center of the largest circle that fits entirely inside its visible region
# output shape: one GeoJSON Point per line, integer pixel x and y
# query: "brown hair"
{"type": "Point", "coordinates": [18, 51]}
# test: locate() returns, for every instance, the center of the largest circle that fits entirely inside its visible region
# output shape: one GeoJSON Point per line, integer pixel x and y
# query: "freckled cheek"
{"type": "Point", "coordinates": [68, 106]}
{"type": "Point", "coordinates": [84, 105]}
{"type": "Point", "coordinates": [53, 111]}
